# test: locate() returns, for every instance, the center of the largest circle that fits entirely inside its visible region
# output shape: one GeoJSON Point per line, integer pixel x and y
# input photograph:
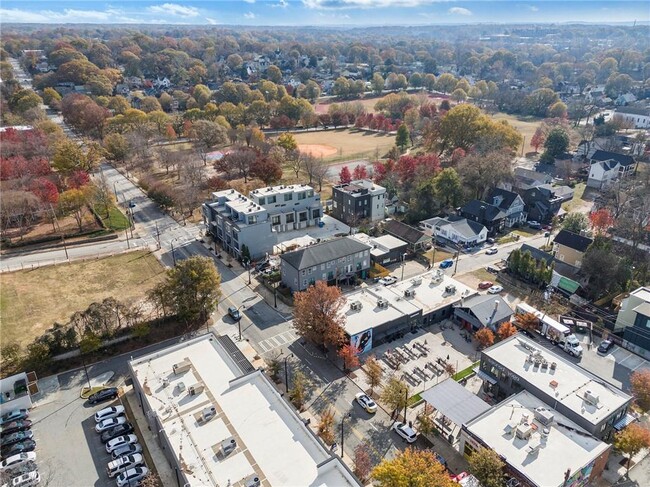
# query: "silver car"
{"type": "Point", "coordinates": [120, 441]}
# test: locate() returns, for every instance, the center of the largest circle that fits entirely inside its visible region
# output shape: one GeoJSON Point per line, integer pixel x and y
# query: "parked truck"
{"type": "Point", "coordinates": [554, 331]}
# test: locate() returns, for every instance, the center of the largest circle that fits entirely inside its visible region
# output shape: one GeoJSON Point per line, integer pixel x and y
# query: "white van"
{"type": "Point", "coordinates": [124, 463]}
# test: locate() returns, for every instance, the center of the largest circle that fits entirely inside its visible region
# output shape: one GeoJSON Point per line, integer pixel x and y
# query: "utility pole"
{"type": "Point", "coordinates": [173, 254]}
{"type": "Point", "coordinates": [56, 220]}
{"type": "Point", "coordinates": [157, 235]}
{"type": "Point", "coordinates": [342, 425]}
{"type": "Point", "coordinates": [457, 256]}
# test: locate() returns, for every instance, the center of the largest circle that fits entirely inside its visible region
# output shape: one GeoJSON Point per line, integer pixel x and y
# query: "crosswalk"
{"type": "Point", "coordinates": [280, 340]}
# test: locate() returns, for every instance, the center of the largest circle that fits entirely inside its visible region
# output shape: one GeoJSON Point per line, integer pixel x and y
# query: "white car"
{"type": "Point", "coordinates": [495, 289]}
{"type": "Point", "coordinates": [132, 476]}
{"type": "Point", "coordinates": [120, 441]}
{"type": "Point", "coordinates": [109, 423]}
{"type": "Point", "coordinates": [366, 403]}
{"type": "Point", "coordinates": [388, 280]}
{"type": "Point", "coordinates": [16, 461]}
{"type": "Point", "coordinates": [406, 432]}
{"type": "Point", "coordinates": [24, 480]}
{"type": "Point", "coordinates": [124, 463]}
{"type": "Point", "coordinates": [109, 412]}
{"type": "Point", "coordinates": [126, 450]}
{"type": "Point", "coordinates": [491, 251]}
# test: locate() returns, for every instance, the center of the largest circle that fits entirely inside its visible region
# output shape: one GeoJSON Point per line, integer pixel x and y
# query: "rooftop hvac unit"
{"type": "Point", "coordinates": [195, 389]}
{"type": "Point", "coordinates": [252, 481]}
{"type": "Point", "coordinates": [591, 398]}
{"type": "Point", "coordinates": [180, 387]}
{"type": "Point", "coordinates": [382, 303]}
{"type": "Point", "coordinates": [165, 382]}
{"type": "Point", "coordinates": [523, 431]}
{"type": "Point", "coordinates": [451, 289]}
{"type": "Point", "coordinates": [409, 293]}
{"type": "Point", "coordinates": [181, 367]}
{"type": "Point", "coordinates": [356, 305]}
{"type": "Point", "coordinates": [228, 445]}
{"type": "Point", "coordinates": [534, 448]}
{"type": "Point", "coordinates": [544, 416]}
{"type": "Point", "coordinates": [208, 413]}
{"type": "Point", "coordinates": [417, 281]}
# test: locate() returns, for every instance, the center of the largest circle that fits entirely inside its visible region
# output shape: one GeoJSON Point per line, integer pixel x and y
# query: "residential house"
{"type": "Point", "coordinates": [542, 203]}
{"type": "Point", "coordinates": [455, 229]}
{"type": "Point", "coordinates": [133, 81]}
{"type": "Point", "coordinates": [122, 89]}
{"type": "Point", "coordinates": [490, 216]}
{"type": "Point", "coordinates": [570, 248]}
{"type": "Point", "coordinates": [357, 201]}
{"type": "Point", "coordinates": [607, 167]}
{"type": "Point", "coordinates": [537, 254]}
{"type": "Point", "coordinates": [259, 220]}
{"type": "Point", "coordinates": [510, 203]}
{"type": "Point", "coordinates": [565, 193]}
{"type": "Point", "coordinates": [339, 260]}
{"type": "Point", "coordinates": [163, 83]}
{"type": "Point", "coordinates": [482, 311]}
{"type": "Point", "coordinates": [634, 319]}
{"type": "Point", "coordinates": [527, 178]}
{"type": "Point", "coordinates": [44, 67]}
{"type": "Point", "coordinates": [639, 117]}
{"type": "Point", "coordinates": [416, 239]}
{"type": "Point", "coordinates": [385, 249]}
{"type": "Point", "coordinates": [624, 99]}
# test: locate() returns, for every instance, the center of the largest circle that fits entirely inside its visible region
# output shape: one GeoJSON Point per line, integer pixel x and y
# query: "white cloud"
{"type": "Point", "coordinates": [341, 4]}
{"type": "Point", "coordinates": [281, 4]}
{"type": "Point", "coordinates": [211, 21]}
{"type": "Point", "coordinates": [174, 9]}
{"type": "Point", "coordinates": [66, 16]}
{"type": "Point", "coordinates": [459, 11]}
{"type": "Point", "coordinates": [249, 1]}
{"type": "Point", "coordinates": [532, 8]}
{"type": "Point", "coordinates": [249, 15]}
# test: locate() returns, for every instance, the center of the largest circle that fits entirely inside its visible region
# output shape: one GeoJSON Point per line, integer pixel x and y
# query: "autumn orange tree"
{"type": "Point", "coordinates": [362, 461]}
{"type": "Point", "coordinates": [640, 386]}
{"type": "Point", "coordinates": [632, 440]}
{"type": "Point", "coordinates": [527, 321]}
{"type": "Point", "coordinates": [413, 468]}
{"type": "Point", "coordinates": [350, 355]}
{"type": "Point", "coordinates": [485, 337]}
{"type": "Point", "coordinates": [601, 220]}
{"type": "Point", "coordinates": [317, 314]}
{"type": "Point", "coordinates": [374, 372]}
{"type": "Point", "coordinates": [506, 330]}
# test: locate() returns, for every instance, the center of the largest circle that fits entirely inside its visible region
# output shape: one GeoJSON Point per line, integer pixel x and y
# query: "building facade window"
{"type": "Point", "coordinates": [275, 220]}
{"type": "Point", "coordinates": [271, 199]}
{"type": "Point", "coordinates": [303, 216]}
{"type": "Point", "coordinates": [290, 218]}
{"type": "Point", "coordinates": [252, 219]}
{"type": "Point", "coordinates": [301, 196]}
{"type": "Point", "coordinates": [262, 201]}
{"type": "Point", "coordinates": [288, 197]}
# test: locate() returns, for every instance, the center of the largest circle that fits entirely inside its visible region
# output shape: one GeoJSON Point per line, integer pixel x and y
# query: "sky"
{"type": "Point", "coordinates": [321, 12]}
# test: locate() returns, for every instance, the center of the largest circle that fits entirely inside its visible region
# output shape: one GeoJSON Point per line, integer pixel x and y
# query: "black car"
{"type": "Point", "coordinates": [605, 346]}
{"type": "Point", "coordinates": [22, 447]}
{"type": "Point", "coordinates": [7, 429]}
{"type": "Point", "coordinates": [115, 431]}
{"type": "Point", "coordinates": [16, 438]}
{"type": "Point", "coordinates": [103, 395]}
{"type": "Point", "coordinates": [234, 313]}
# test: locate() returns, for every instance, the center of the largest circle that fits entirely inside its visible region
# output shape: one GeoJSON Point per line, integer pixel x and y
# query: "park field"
{"type": "Point", "coordinates": [344, 144]}
{"type": "Point", "coordinates": [525, 126]}
{"type": "Point", "coordinates": [32, 301]}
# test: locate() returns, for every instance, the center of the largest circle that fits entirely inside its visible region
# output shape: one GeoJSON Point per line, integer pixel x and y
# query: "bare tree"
{"type": "Point", "coordinates": [316, 169]}
{"type": "Point", "coordinates": [167, 158]}
{"type": "Point", "coordinates": [193, 173]}
{"type": "Point", "coordinates": [296, 162]}
{"type": "Point", "coordinates": [240, 160]}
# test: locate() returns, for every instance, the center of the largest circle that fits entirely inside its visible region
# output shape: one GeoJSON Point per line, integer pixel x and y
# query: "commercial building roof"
{"type": "Point", "coordinates": [455, 401]}
{"type": "Point", "coordinates": [271, 441]}
{"type": "Point", "coordinates": [540, 449]}
{"type": "Point", "coordinates": [488, 308]}
{"type": "Point", "coordinates": [323, 252]}
{"type": "Point", "coordinates": [577, 389]}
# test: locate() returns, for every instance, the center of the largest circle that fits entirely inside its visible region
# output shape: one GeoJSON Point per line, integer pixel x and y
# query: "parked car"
{"type": "Point", "coordinates": [120, 441]}
{"type": "Point", "coordinates": [109, 412]}
{"type": "Point", "coordinates": [16, 448]}
{"type": "Point", "coordinates": [16, 461]}
{"type": "Point", "coordinates": [25, 480]}
{"type": "Point", "coordinates": [126, 450]}
{"type": "Point", "coordinates": [446, 263]}
{"type": "Point", "coordinates": [495, 289]}
{"type": "Point", "coordinates": [14, 426]}
{"type": "Point", "coordinates": [16, 438]}
{"type": "Point", "coordinates": [109, 423]}
{"type": "Point", "coordinates": [366, 403]}
{"type": "Point", "coordinates": [388, 280]}
{"type": "Point", "coordinates": [124, 463]}
{"type": "Point", "coordinates": [234, 313]}
{"type": "Point", "coordinates": [405, 431]}
{"type": "Point", "coordinates": [103, 395]}
{"type": "Point", "coordinates": [535, 225]}
{"type": "Point", "coordinates": [114, 432]}
{"type": "Point", "coordinates": [132, 476]}
{"type": "Point", "coordinates": [490, 240]}
{"type": "Point", "coordinates": [491, 251]}
{"type": "Point", "coordinates": [485, 284]}
{"type": "Point", "coordinates": [604, 347]}
{"type": "Point", "coordinates": [16, 415]}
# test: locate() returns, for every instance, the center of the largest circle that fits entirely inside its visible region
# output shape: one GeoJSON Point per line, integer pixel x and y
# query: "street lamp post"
{"type": "Point", "coordinates": [457, 256]}
{"type": "Point", "coordinates": [243, 306]}
{"type": "Point", "coordinates": [83, 361]}
{"type": "Point", "coordinates": [342, 425]}
{"type": "Point", "coordinates": [275, 295]}
{"type": "Point", "coordinates": [173, 254]}
{"type": "Point", "coordinates": [403, 265]}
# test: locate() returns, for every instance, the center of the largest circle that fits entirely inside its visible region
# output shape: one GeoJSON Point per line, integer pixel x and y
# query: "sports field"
{"type": "Point", "coordinates": [344, 144]}
{"type": "Point", "coordinates": [526, 127]}
{"type": "Point", "coordinates": [32, 301]}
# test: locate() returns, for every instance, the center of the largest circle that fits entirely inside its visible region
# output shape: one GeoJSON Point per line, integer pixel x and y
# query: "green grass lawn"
{"type": "Point", "coordinates": [116, 219]}
{"type": "Point", "coordinates": [578, 192]}
{"type": "Point", "coordinates": [465, 372]}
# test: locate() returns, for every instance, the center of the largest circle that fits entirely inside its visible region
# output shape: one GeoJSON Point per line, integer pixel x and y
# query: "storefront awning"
{"type": "Point", "coordinates": [624, 421]}
{"type": "Point", "coordinates": [484, 376]}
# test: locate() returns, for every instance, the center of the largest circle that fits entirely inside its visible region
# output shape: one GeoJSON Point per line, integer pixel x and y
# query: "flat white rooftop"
{"type": "Point", "coordinates": [272, 442]}
{"type": "Point", "coordinates": [567, 383]}
{"type": "Point", "coordinates": [550, 449]}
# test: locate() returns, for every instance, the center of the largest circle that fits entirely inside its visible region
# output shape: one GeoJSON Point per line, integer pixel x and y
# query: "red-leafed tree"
{"type": "Point", "coordinates": [170, 133]}
{"type": "Point", "coordinates": [601, 220]}
{"type": "Point", "coordinates": [46, 190]}
{"type": "Point", "coordinates": [344, 175]}
{"type": "Point", "coordinates": [538, 138]}
{"type": "Point", "coordinates": [457, 155]}
{"type": "Point", "coordinates": [77, 179]}
{"type": "Point", "coordinates": [350, 355]}
{"type": "Point", "coordinates": [360, 172]}
{"type": "Point", "coordinates": [267, 169]}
